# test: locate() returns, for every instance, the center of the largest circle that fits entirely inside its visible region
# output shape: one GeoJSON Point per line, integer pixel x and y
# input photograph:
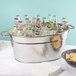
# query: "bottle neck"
{"type": "Point", "coordinates": [39, 24]}
{"type": "Point", "coordinates": [55, 20]}
{"type": "Point", "coordinates": [26, 21]}
{"type": "Point", "coordinates": [19, 19]}
{"type": "Point", "coordinates": [16, 21]}
{"type": "Point", "coordinates": [64, 22]}
{"type": "Point", "coordinates": [19, 27]}
{"type": "Point", "coordinates": [34, 22]}
{"type": "Point", "coordinates": [43, 20]}
{"type": "Point", "coordinates": [38, 18]}
{"type": "Point", "coordinates": [49, 18]}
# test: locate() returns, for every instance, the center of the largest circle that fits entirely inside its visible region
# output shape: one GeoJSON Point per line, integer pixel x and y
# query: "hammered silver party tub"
{"type": "Point", "coordinates": [37, 49]}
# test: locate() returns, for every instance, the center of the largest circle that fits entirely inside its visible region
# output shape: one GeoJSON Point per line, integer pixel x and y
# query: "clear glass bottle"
{"type": "Point", "coordinates": [38, 28]}
{"type": "Point", "coordinates": [14, 28]}
{"type": "Point", "coordinates": [51, 24]}
{"type": "Point", "coordinates": [44, 18]}
{"type": "Point", "coordinates": [34, 21]}
{"type": "Point", "coordinates": [30, 26]}
{"type": "Point", "coordinates": [26, 18]}
{"type": "Point", "coordinates": [19, 29]}
{"type": "Point", "coordinates": [48, 30]}
{"type": "Point", "coordinates": [37, 32]}
{"type": "Point", "coordinates": [65, 27]}
{"type": "Point", "coordinates": [26, 26]}
{"type": "Point", "coordinates": [25, 32]}
{"type": "Point", "coordinates": [33, 26]}
{"type": "Point", "coordinates": [38, 18]}
{"type": "Point", "coordinates": [60, 27]}
{"type": "Point", "coordinates": [63, 19]}
{"type": "Point", "coordinates": [54, 19]}
{"type": "Point", "coordinates": [30, 32]}
{"type": "Point", "coordinates": [49, 17]}
{"type": "Point", "coordinates": [18, 16]}
{"type": "Point", "coordinates": [64, 22]}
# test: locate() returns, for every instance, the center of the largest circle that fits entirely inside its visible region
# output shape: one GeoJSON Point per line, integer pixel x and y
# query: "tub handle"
{"type": "Point", "coordinates": [2, 34]}
{"type": "Point", "coordinates": [71, 27]}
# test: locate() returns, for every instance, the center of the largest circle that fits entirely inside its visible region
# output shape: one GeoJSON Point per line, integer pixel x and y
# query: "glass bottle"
{"type": "Point", "coordinates": [51, 24]}
{"type": "Point", "coordinates": [25, 29]}
{"type": "Point", "coordinates": [64, 22]}
{"type": "Point", "coordinates": [29, 27]}
{"type": "Point", "coordinates": [48, 30]}
{"type": "Point", "coordinates": [14, 28]}
{"type": "Point", "coordinates": [18, 16]}
{"type": "Point", "coordinates": [34, 21]}
{"type": "Point", "coordinates": [38, 28]}
{"type": "Point", "coordinates": [38, 18]}
{"type": "Point", "coordinates": [60, 27]}
{"type": "Point", "coordinates": [55, 27]}
{"type": "Point", "coordinates": [49, 17]}
{"type": "Point", "coordinates": [65, 27]}
{"type": "Point", "coordinates": [63, 19]}
{"type": "Point", "coordinates": [44, 18]}
{"type": "Point", "coordinates": [25, 32]}
{"type": "Point", "coordinates": [26, 18]}
{"type": "Point", "coordinates": [26, 26]}
{"type": "Point", "coordinates": [43, 25]}
{"type": "Point", "coordinates": [19, 29]}
{"type": "Point", "coordinates": [33, 26]}
{"type": "Point", "coordinates": [25, 21]}
{"type": "Point", "coordinates": [30, 32]}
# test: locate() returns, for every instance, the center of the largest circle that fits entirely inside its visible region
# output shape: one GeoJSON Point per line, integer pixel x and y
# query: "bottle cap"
{"type": "Point", "coordinates": [38, 15]}
{"type": "Point", "coordinates": [20, 21]}
{"type": "Point", "coordinates": [39, 21]}
{"type": "Point", "coordinates": [63, 17]}
{"type": "Point", "coordinates": [54, 15]}
{"type": "Point", "coordinates": [44, 17]}
{"type": "Point", "coordinates": [26, 24]}
{"type": "Point", "coordinates": [49, 14]}
{"type": "Point", "coordinates": [50, 21]}
{"type": "Point", "coordinates": [25, 15]}
{"type": "Point", "coordinates": [34, 18]}
{"type": "Point", "coordinates": [66, 21]}
{"type": "Point", "coordinates": [48, 27]}
{"type": "Point", "coordinates": [15, 18]}
{"type": "Point", "coordinates": [17, 15]}
{"type": "Point", "coordinates": [29, 21]}
{"type": "Point", "coordinates": [60, 24]}
{"type": "Point", "coordinates": [38, 26]}
{"type": "Point", "coordinates": [26, 18]}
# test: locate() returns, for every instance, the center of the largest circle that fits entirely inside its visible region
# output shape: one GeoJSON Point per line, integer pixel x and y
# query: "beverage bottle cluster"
{"type": "Point", "coordinates": [38, 26]}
